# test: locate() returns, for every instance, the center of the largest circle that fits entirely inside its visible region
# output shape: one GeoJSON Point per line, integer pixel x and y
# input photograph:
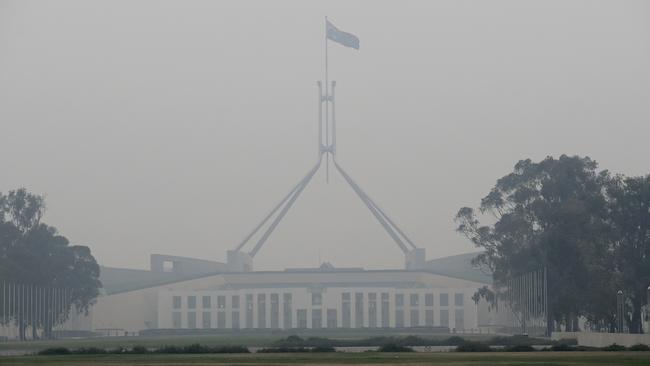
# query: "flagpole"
{"type": "Point", "coordinates": [327, 108]}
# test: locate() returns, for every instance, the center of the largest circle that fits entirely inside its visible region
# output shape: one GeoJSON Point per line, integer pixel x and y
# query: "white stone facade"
{"type": "Point", "coordinates": [318, 307]}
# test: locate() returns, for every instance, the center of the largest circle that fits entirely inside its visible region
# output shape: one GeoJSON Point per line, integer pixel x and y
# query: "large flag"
{"type": "Point", "coordinates": [344, 38]}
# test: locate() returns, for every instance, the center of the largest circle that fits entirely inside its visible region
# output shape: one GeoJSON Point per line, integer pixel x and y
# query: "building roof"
{"type": "Point", "coordinates": [117, 280]}
{"type": "Point", "coordinates": [459, 266]}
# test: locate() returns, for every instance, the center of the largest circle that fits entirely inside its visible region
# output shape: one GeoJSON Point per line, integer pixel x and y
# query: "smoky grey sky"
{"type": "Point", "coordinates": [174, 126]}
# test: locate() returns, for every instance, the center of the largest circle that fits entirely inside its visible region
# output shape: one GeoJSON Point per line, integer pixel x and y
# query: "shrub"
{"type": "Point", "coordinates": [293, 338]}
{"type": "Point", "coordinates": [394, 347]}
{"type": "Point", "coordinates": [284, 350]}
{"type": "Point", "coordinates": [470, 346]}
{"type": "Point", "coordinates": [89, 351]}
{"type": "Point", "coordinates": [567, 341]}
{"type": "Point", "coordinates": [139, 350]}
{"type": "Point", "coordinates": [613, 348]}
{"type": "Point", "coordinates": [196, 348]}
{"type": "Point", "coordinates": [453, 341]}
{"type": "Point", "coordinates": [169, 349]}
{"type": "Point", "coordinates": [55, 351]}
{"type": "Point", "coordinates": [639, 347]}
{"type": "Point", "coordinates": [117, 350]}
{"type": "Point", "coordinates": [323, 349]}
{"type": "Point", "coordinates": [520, 348]}
{"type": "Point", "coordinates": [562, 347]}
{"type": "Point", "coordinates": [232, 349]}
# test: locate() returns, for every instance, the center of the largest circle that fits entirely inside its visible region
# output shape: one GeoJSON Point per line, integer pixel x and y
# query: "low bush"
{"type": "Point", "coordinates": [562, 347]}
{"type": "Point", "coordinates": [89, 351]}
{"type": "Point", "coordinates": [54, 351]}
{"type": "Point", "coordinates": [639, 347]}
{"type": "Point", "coordinates": [139, 350]}
{"type": "Point", "coordinates": [199, 349]}
{"type": "Point", "coordinates": [296, 350]}
{"type": "Point", "coordinates": [323, 349]}
{"type": "Point", "coordinates": [470, 346]}
{"type": "Point", "coordinates": [452, 341]}
{"type": "Point", "coordinates": [613, 348]}
{"type": "Point", "coordinates": [393, 347]}
{"type": "Point", "coordinates": [520, 348]}
{"type": "Point", "coordinates": [190, 349]}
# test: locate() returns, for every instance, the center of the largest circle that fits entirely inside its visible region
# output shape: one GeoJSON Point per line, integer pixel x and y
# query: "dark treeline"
{"type": "Point", "coordinates": [590, 229]}
{"type": "Point", "coordinates": [36, 259]}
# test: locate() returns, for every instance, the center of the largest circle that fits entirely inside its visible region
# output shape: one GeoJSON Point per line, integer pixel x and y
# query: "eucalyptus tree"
{"type": "Point", "coordinates": [35, 254]}
{"type": "Point", "coordinates": [549, 214]}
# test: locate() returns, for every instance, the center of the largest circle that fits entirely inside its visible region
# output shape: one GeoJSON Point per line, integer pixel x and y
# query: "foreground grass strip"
{"type": "Point", "coordinates": [454, 359]}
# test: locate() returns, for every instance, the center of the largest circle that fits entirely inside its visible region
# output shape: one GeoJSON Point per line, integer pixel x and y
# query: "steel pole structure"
{"type": "Point", "coordinates": [320, 119]}
{"type": "Point", "coordinates": [327, 108]}
{"type": "Point", "coordinates": [285, 209]}
{"type": "Point", "coordinates": [365, 199]}
{"type": "Point", "coordinates": [332, 149]}
{"type": "Point", "coordinates": [273, 211]}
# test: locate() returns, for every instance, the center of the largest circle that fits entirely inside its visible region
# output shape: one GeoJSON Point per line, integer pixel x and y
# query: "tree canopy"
{"type": "Point", "coordinates": [34, 253]}
{"type": "Point", "coordinates": [587, 228]}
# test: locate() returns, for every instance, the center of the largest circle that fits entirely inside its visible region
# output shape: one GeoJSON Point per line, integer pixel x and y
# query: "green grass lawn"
{"type": "Point", "coordinates": [455, 359]}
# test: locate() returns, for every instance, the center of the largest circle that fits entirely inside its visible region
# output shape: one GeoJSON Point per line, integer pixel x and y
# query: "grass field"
{"type": "Point", "coordinates": [454, 359]}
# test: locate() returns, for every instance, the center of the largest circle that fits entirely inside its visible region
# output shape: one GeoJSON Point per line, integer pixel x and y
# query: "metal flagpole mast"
{"type": "Point", "coordinates": [327, 108]}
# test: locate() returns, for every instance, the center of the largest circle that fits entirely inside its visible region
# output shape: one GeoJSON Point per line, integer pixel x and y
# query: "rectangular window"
{"type": "Point", "coordinates": [221, 319]}
{"type": "Point", "coordinates": [191, 320]}
{"type": "Point", "coordinates": [302, 318]}
{"type": "Point", "coordinates": [275, 311]}
{"type": "Point", "coordinates": [191, 302]}
{"type": "Point", "coordinates": [458, 299]}
{"type": "Point", "coordinates": [399, 318]}
{"type": "Point", "coordinates": [444, 299]}
{"type": "Point", "coordinates": [176, 302]}
{"type": "Point", "coordinates": [176, 319]}
{"type": "Point", "coordinates": [415, 318]}
{"type": "Point", "coordinates": [207, 320]}
{"type": "Point", "coordinates": [372, 310]}
{"type": "Point", "coordinates": [261, 310]}
{"type": "Point", "coordinates": [235, 320]}
{"type": "Point", "coordinates": [331, 318]}
{"type": "Point", "coordinates": [316, 299]}
{"type": "Point", "coordinates": [316, 318]}
{"type": "Point", "coordinates": [358, 310]}
{"type": "Point", "coordinates": [206, 302]}
{"type": "Point", "coordinates": [428, 318]}
{"type": "Point", "coordinates": [444, 318]}
{"type": "Point", "coordinates": [287, 311]}
{"type": "Point", "coordinates": [459, 321]}
{"type": "Point", "coordinates": [235, 301]}
{"type": "Point", "coordinates": [221, 302]}
{"type": "Point", "coordinates": [415, 299]}
{"type": "Point", "coordinates": [399, 299]}
{"type": "Point", "coordinates": [346, 308]}
{"type": "Point", "coordinates": [385, 311]}
{"type": "Point", "coordinates": [428, 300]}
{"type": "Point", "coordinates": [249, 311]}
